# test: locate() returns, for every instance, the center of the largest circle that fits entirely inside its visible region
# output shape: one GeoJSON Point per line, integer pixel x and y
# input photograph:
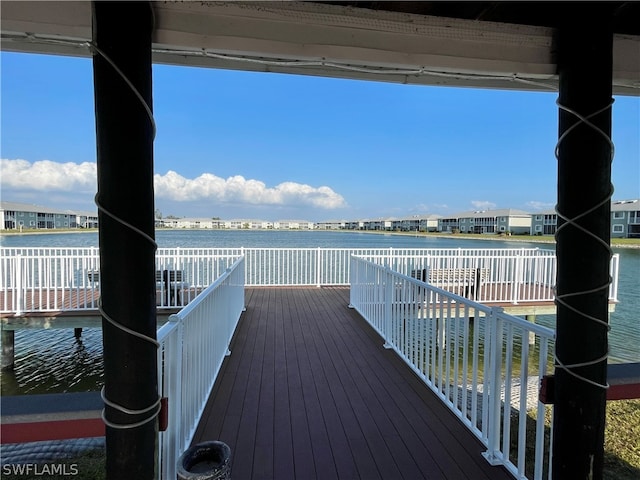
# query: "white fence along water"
{"type": "Point", "coordinates": [193, 345]}
{"type": "Point", "coordinates": [53, 279]}
{"type": "Point", "coordinates": [484, 365]}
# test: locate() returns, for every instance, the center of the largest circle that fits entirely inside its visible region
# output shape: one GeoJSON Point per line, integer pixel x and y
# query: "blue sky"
{"type": "Point", "coordinates": [236, 144]}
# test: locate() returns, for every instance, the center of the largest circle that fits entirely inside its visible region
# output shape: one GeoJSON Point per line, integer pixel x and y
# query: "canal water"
{"type": "Point", "coordinates": [53, 361]}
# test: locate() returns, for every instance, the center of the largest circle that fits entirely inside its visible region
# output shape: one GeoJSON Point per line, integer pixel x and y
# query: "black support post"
{"type": "Point", "coordinates": [122, 32]}
{"type": "Point", "coordinates": [584, 50]}
{"type": "Point", "coordinates": [8, 349]}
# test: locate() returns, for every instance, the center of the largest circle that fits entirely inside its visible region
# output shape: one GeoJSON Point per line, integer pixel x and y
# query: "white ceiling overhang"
{"type": "Point", "coordinates": [325, 40]}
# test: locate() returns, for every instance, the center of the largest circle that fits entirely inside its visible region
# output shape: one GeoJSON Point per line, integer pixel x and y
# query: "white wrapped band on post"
{"type": "Point", "coordinates": [123, 426]}
{"type": "Point", "coordinates": [156, 406]}
{"type": "Point", "coordinates": [573, 222]}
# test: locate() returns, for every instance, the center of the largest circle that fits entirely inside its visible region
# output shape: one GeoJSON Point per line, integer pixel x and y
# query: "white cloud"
{"type": "Point", "coordinates": [239, 190]}
{"type": "Point", "coordinates": [48, 176]}
{"type": "Point", "coordinates": [483, 204]}
{"type": "Point", "coordinates": [45, 175]}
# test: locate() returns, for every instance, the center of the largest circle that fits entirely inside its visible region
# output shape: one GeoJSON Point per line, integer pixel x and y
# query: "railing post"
{"type": "Point", "coordinates": [495, 321]}
{"type": "Point", "coordinates": [614, 271]}
{"type": "Point", "coordinates": [246, 263]}
{"type": "Point", "coordinates": [515, 284]}
{"type": "Point", "coordinates": [318, 267]}
{"type": "Point", "coordinates": [19, 286]}
{"type": "Point", "coordinates": [388, 307]}
{"type": "Point", "coordinates": [177, 390]}
{"type": "Point", "coordinates": [229, 300]}
{"type": "Point", "coordinates": [354, 286]}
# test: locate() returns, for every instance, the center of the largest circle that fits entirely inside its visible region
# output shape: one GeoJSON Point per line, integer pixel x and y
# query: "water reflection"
{"type": "Point", "coordinates": [54, 361]}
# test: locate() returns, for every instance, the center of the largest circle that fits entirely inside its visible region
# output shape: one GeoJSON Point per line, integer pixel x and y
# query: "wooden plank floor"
{"type": "Point", "coordinates": [309, 392]}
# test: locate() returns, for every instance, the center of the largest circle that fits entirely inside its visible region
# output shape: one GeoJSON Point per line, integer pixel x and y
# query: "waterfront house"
{"type": "Point", "coordinates": [246, 224]}
{"type": "Point", "coordinates": [420, 223]}
{"type": "Point", "coordinates": [14, 215]}
{"type": "Point", "coordinates": [293, 225]}
{"type": "Point", "coordinates": [449, 224]}
{"type": "Point", "coordinates": [83, 219]}
{"type": "Point", "coordinates": [333, 225]}
{"type": "Point", "coordinates": [235, 224]}
{"type": "Point", "coordinates": [544, 222]}
{"type": "Point", "coordinates": [385, 224]}
{"type": "Point", "coordinates": [191, 223]}
{"type": "Point", "coordinates": [361, 224]}
{"type": "Point", "coordinates": [261, 225]}
{"type": "Point", "coordinates": [495, 221]}
{"type": "Point", "coordinates": [625, 219]}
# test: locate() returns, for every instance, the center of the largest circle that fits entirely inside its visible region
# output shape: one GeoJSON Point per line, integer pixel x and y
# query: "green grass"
{"type": "Point", "coordinates": [622, 440]}
{"type": "Point", "coordinates": [621, 445]}
{"type": "Point", "coordinates": [615, 242]}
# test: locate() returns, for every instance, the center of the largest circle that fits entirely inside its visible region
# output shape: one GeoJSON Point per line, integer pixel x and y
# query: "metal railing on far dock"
{"type": "Point", "coordinates": [59, 279]}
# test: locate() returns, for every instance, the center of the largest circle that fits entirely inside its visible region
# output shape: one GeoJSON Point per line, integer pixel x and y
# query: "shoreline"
{"type": "Point", "coordinates": [512, 238]}
{"type": "Point", "coordinates": [615, 242]}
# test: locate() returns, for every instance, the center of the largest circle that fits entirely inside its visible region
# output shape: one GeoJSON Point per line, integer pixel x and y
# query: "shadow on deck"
{"type": "Point", "coordinates": [309, 392]}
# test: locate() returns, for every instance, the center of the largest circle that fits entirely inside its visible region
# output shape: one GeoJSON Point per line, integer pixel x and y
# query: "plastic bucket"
{"type": "Point", "coordinates": [205, 461]}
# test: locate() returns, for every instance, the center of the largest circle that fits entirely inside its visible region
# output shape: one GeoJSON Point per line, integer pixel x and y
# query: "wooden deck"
{"type": "Point", "coordinates": [309, 392]}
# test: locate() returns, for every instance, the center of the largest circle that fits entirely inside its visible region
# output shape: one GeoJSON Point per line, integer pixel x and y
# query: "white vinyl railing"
{"type": "Point", "coordinates": [484, 365]}
{"type": "Point", "coordinates": [50, 279]}
{"type": "Point", "coordinates": [193, 345]}
{"type": "Point", "coordinates": [54, 279]}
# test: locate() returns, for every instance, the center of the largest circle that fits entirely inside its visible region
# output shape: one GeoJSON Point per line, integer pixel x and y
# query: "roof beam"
{"type": "Point", "coordinates": [325, 40]}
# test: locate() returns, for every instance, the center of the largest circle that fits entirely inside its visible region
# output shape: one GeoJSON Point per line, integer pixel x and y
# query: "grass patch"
{"type": "Point", "coordinates": [621, 444]}
{"type": "Point", "coordinates": [622, 440]}
{"type": "Point", "coordinates": [615, 242]}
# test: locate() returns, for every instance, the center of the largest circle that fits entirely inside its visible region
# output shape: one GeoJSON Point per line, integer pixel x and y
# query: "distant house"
{"type": "Point", "coordinates": [411, 224]}
{"type": "Point", "coordinates": [293, 225]}
{"type": "Point", "coordinates": [16, 216]}
{"type": "Point", "coordinates": [260, 225]}
{"type": "Point", "coordinates": [491, 221]}
{"type": "Point", "coordinates": [428, 223]}
{"type": "Point", "coordinates": [334, 225]}
{"type": "Point", "coordinates": [449, 224]}
{"type": "Point", "coordinates": [234, 224]}
{"type": "Point", "coordinates": [385, 224]}
{"type": "Point", "coordinates": [356, 225]}
{"type": "Point", "coordinates": [197, 222]}
{"type": "Point", "coordinates": [625, 219]}
{"type": "Point", "coordinates": [544, 222]}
